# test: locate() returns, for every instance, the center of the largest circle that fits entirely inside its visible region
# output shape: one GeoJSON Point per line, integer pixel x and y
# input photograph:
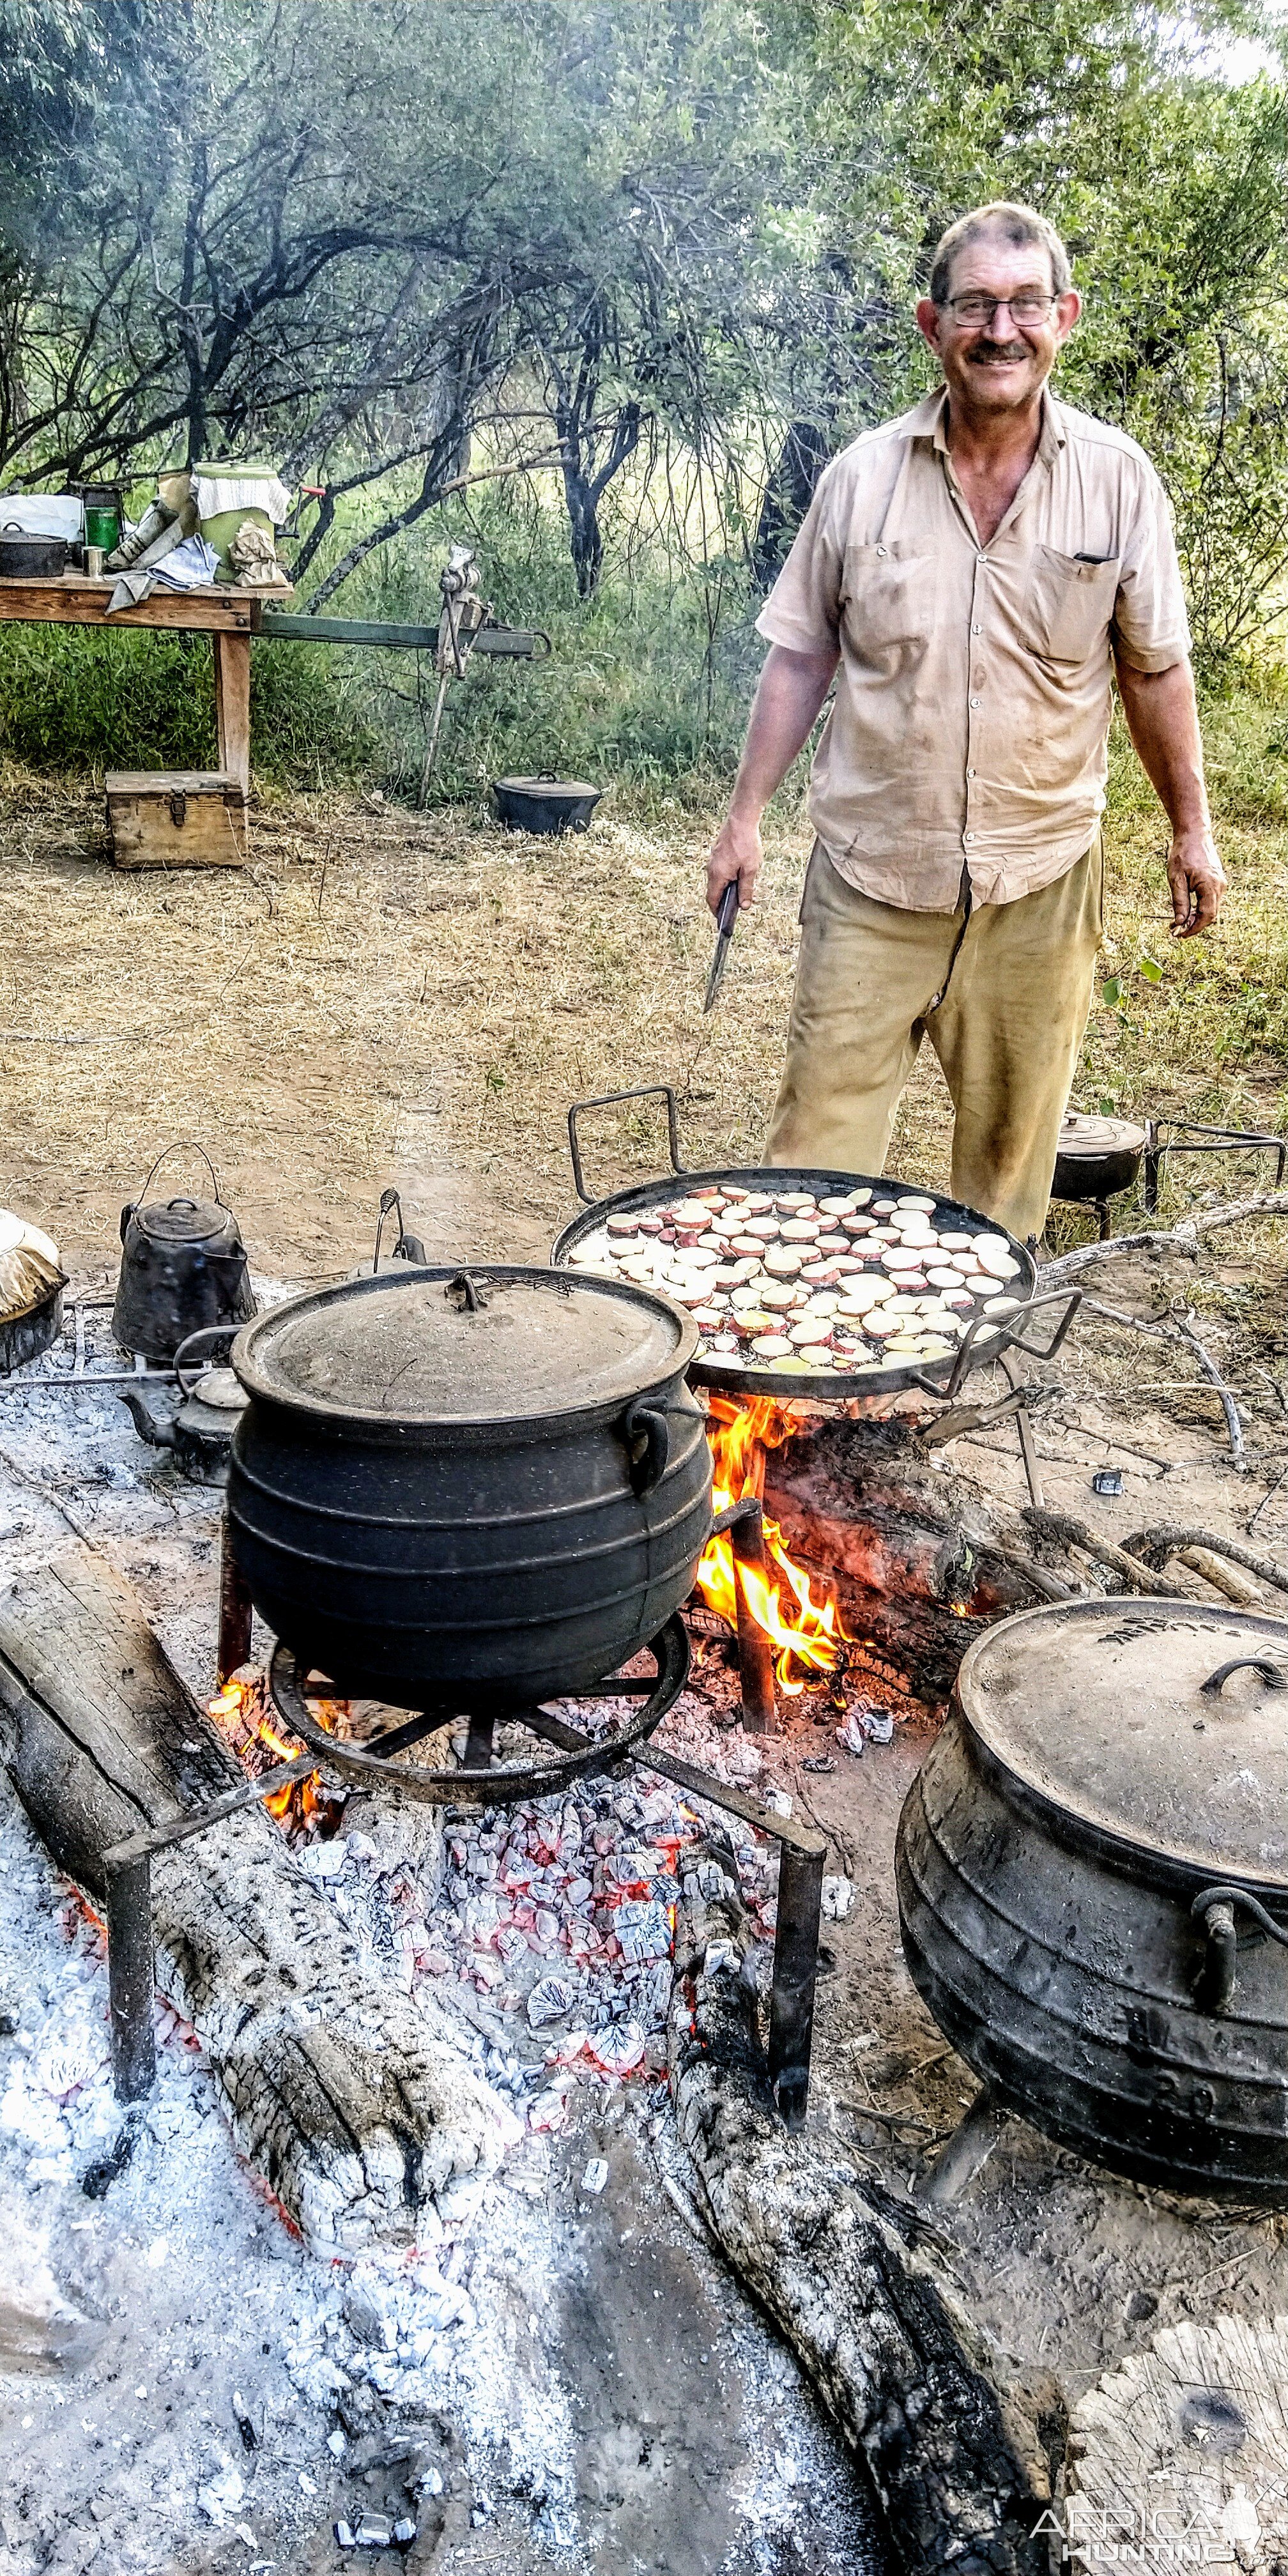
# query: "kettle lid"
{"type": "Point", "coordinates": [185, 1220]}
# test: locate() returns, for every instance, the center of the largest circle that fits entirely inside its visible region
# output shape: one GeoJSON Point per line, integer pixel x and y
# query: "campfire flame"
{"type": "Point", "coordinates": [804, 1630]}
{"type": "Point", "coordinates": [240, 1713]}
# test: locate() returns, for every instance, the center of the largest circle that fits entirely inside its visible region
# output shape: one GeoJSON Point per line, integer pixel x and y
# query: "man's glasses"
{"type": "Point", "coordinates": [1029, 305]}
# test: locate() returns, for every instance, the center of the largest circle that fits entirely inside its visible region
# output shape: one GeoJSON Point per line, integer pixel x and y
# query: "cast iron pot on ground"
{"type": "Point", "coordinates": [468, 1490]}
{"type": "Point", "coordinates": [545, 803]}
{"type": "Point", "coordinates": [1092, 1871]}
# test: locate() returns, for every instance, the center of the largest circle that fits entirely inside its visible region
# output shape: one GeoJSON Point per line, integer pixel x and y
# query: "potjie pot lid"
{"type": "Point", "coordinates": [1099, 1710]}
{"type": "Point", "coordinates": [1083, 1137]}
{"type": "Point", "coordinates": [543, 786]}
{"type": "Point", "coordinates": [450, 1347]}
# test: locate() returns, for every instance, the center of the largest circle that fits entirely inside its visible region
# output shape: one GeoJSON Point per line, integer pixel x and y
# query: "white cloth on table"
{"type": "Point", "coordinates": [215, 493]}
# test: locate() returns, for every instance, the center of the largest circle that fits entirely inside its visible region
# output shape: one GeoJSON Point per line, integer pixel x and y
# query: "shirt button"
{"type": "Point", "coordinates": [977, 630]}
{"type": "Point", "coordinates": [881, 550]}
{"type": "Point", "coordinates": [968, 837]}
{"type": "Point", "coordinates": [970, 773]}
{"type": "Point", "coordinates": [977, 702]}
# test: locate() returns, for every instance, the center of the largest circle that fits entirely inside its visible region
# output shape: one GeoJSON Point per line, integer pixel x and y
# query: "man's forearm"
{"type": "Point", "coordinates": [1163, 721]}
{"type": "Point", "coordinates": [791, 691]}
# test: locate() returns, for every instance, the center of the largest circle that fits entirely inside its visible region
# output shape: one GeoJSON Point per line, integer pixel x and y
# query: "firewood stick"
{"type": "Point", "coordinates": [1167, 1538]}
{"type": "Point", "coordinates": [1181, 1238]}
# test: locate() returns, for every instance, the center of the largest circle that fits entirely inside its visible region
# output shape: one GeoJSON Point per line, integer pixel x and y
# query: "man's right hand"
{"type": "Point", "coordinates": [735, 852]}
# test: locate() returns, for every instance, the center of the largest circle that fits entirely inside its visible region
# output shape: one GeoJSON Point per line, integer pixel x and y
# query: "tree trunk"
{"type": "Point", "coordinates": [352, 2101]}
{"type": "Point", "coordinates": [788, 494]}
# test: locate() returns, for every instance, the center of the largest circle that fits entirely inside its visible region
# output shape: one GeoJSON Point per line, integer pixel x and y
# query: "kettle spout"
{"type": "Point", "coordinates": [156, 1428]}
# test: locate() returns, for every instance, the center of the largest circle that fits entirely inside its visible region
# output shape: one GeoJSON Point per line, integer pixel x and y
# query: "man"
{"type": "Point", "coordinates": [971, 576]}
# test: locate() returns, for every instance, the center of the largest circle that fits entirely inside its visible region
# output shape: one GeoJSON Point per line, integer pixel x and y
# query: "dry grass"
{"type": "Point", "coordinates": [387, 995]}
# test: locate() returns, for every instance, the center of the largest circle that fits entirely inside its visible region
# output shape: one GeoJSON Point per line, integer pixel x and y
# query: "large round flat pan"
{"type": "Point", "coordinates": [805, 1385]}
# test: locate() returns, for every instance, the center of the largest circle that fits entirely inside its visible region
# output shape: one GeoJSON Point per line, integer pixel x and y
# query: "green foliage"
{"type": "Point", "coordinates": [75, 698]}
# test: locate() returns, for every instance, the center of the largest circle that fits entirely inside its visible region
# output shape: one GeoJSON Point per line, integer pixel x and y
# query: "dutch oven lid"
{"type": "Point", "coordinates": [1099, 1707]}
{"type": "Point", "coordinates": [187, 1221]}
{"type": "Point", "coordinates": [413, 1349]}
{"type": "Point", "coordinates": [1081, 1136]}
{"type": "Point", "coordinates": [545, 785]}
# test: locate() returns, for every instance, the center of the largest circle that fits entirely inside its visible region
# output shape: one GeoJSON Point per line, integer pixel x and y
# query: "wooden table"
{"type": "Point", "coordinates": [229, 617]}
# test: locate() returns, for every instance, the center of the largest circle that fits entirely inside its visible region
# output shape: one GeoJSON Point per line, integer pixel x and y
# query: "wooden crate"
{"type": "Point", "coordinates": [176, 818]}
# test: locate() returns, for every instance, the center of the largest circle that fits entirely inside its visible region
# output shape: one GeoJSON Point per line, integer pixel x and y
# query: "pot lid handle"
{"type": "Point", "coordinates": [467, 1295]}
{"type": "Point", "coordinates": [1273, 1675]}
{"type": "Point", "coordinates": [189, 1143]}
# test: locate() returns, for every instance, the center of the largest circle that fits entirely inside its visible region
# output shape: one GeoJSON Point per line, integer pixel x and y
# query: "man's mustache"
{"type": "Point", "coordinates": [995, 353]}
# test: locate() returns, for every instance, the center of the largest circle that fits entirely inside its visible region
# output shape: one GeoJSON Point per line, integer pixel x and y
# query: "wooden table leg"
{"type": "Point", "coordinates": [232, 706]}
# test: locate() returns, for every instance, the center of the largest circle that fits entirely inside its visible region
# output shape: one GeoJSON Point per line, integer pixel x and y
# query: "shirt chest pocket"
{"type": "Point", "coordinates": [889, 598]}
{"type": "Point", "coordinates": [1069, 605]}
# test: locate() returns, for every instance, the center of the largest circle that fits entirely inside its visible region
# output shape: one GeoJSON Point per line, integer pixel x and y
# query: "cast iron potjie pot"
{"type": "Point", "coordinates": [545, 803]}
{"type": "Point", "coordinates": [24, 557]}
{"type": "Point", "coordinates": [1092, 1870]}
{"type": "Point", "coordinates": [1096, 1158]}
{"type": "Point", "coordinates": [468, 1490]}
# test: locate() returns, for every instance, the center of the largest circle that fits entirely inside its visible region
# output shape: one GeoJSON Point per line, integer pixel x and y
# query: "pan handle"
{"type": "Point", "coordinates": [1005, 1337]}
{"type": "Point", "coordinates": [609, 1100]}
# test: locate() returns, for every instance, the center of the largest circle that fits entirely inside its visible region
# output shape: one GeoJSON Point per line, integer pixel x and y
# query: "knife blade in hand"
{"type": "Point", "coordinates": [725, 918]}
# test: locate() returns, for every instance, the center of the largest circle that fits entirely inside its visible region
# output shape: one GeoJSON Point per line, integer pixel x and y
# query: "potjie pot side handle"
{"type": "Point", "coordinates": [1214, 1908]}
{"type": "Point", "coordinates": [648, 1446]}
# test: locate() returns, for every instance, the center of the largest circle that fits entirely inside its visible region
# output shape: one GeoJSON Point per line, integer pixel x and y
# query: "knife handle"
{"type": "Point", "coordinates": [728, 910]}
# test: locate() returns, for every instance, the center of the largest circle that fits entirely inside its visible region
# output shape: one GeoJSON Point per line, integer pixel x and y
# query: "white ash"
{"type": "Point", "coordinates": [148, 2309]}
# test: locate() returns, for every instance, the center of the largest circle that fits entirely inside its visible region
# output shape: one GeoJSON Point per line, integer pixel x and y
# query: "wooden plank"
{"type": "Point", "coordinates": [74, 600]}
{"type": "Point", "coordinates": [352, 2100]}
{"type": "Point", "coordinates": [171, 782]}
{"type": "Point", "coordinates": [232, 705]}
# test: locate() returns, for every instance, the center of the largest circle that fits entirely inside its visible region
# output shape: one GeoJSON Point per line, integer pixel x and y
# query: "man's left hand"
{"type": "Point", "coordinates": [1197, 881]}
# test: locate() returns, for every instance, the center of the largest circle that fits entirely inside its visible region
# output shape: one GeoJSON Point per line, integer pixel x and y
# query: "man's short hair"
{"type": "Point", "coordinates": [1001, 222]}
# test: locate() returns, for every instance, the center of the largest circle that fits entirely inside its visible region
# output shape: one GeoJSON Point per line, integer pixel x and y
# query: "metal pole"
{"type": "Point", "coordinates": [235, 1610]}
{"type": "Point", "coordinates": [478, 1744]}
{"type": "Point", "coordinates": [791, 2003]}
{"type": "Point", "coordinates": [130, 1978]}
{"type": "Point", "coordinates": [755, 1653]}
{"type": "Point", "coordinates": [969, 2148]}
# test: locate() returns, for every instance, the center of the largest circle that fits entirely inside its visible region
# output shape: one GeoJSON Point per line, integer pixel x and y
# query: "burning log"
{"type": "Point", "coordinates": [354, 2104]}
{"type": "Point", "coordinates": [852, 2280]}
{"type": "Point", "coordinates": [916, 1563]}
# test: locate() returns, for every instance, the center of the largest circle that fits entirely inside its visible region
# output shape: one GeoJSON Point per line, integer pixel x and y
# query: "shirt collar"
{"type": "Point", "coordinates": [930, 420]}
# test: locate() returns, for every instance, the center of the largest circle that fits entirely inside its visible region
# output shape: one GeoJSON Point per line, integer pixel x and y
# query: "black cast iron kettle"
{"type": "Point", "coordinates": [183, 1268]}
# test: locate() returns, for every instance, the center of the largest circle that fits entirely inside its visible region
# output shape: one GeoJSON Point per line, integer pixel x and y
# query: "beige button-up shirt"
{"type": "Point", "coordinates": [971, 715]}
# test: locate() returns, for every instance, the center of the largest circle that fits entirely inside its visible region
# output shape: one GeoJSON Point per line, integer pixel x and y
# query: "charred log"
{"type": "Point", "coordinates": [855, 2283]}
{"type": "Point", "coordinates": [917, 1565]}
{"type": "Point", "coordinates": [354, 2104]}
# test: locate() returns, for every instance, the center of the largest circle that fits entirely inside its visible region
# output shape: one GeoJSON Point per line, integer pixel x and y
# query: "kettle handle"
{"type": "Point", "coordinates": [192, 1146]}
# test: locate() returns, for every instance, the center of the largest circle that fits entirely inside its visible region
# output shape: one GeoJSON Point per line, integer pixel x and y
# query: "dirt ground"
{"type": "Point", "coordinates": [384, 997]}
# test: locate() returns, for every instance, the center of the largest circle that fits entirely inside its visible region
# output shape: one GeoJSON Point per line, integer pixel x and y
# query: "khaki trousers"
{"type": "Point", "coordinates": [1002, 991]}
